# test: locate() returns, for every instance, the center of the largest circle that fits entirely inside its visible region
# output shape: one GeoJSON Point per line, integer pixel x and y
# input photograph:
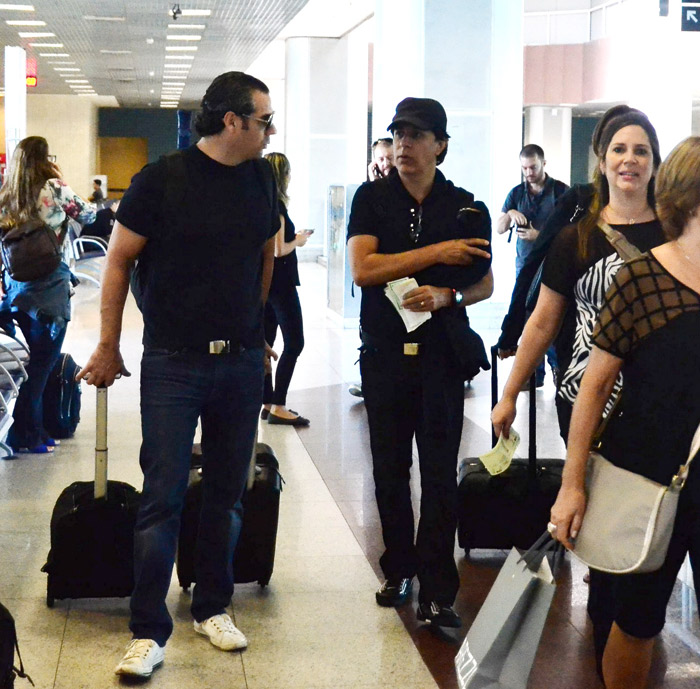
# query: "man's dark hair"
{"type": "Point", "coordinates": [442, 155]}
{"type": "Point", "coordinates": [229, 92]}
{"type": "Point", "coordinates": [98, 182]}
{"type": "Point", "coordinates": [532, 151]}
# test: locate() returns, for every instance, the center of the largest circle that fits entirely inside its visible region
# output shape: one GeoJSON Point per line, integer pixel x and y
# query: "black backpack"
{"type": "Point", "coordinates": [32, 251]}
{"type": "Point", "coordinates": [8, 646]}
{"type": "Point", "coordinates": [62, 398]}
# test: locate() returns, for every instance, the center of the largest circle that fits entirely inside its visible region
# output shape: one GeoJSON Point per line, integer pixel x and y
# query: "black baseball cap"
{"type": "Point", "coordinates": [422, 113]}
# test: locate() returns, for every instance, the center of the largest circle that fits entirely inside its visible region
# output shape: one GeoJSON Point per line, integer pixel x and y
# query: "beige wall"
{"type": "Point", "coordinates": [69, 124]}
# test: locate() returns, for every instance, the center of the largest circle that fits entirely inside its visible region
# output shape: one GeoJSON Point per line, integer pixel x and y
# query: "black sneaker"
{"type": "Point", "coordinates": [439, 615]}
{"type": "Point", "coordinates": [394, 592]}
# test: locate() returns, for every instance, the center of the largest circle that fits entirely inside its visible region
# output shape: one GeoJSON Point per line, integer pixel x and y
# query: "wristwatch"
{"type": "Point", "coordinates": [457, 297]}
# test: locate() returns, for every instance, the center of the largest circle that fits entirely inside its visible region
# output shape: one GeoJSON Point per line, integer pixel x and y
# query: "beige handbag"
{"type": "Point", "coordinates": [629, 518]}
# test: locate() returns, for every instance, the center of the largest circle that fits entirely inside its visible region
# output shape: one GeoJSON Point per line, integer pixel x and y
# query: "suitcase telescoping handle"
{"type": "Point", "coordinates": [532, 448]}
{"type": "Point", "coordinates": [101, 444]}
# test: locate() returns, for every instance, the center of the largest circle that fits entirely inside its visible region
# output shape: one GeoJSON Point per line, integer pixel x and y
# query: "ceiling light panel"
{"type": "Point", "coordinates": [35, 34]}
{"type": "Point", "coordinates": [232, 34]}
{"type": "Point", "coordinates": [16, 7]}
{"type": "Point", "coordinates": [24, 22]}
{"type": "Point", "coordinates": [183, 37]}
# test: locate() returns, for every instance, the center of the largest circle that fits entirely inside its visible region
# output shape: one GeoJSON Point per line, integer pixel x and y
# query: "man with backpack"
{"type": "Point", "coordinates": [202, 224]}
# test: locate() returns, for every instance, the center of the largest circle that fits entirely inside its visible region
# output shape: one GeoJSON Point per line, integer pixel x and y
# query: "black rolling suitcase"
{"type": "Point", "coordinates": [62, 398]}
{"type": "Point", "coordinates": [92, 531]}
{"type": "Point", "coordinates": [254, 556]}
{"type": "Point", "coordinates": [511, 509]}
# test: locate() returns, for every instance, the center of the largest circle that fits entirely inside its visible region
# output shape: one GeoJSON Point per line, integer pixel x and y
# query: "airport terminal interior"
{"type": "Point", "coordinates": [108, 98]}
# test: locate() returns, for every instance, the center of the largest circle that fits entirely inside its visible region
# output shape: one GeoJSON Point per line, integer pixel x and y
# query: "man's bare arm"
{"type": "Point", "coordinates": [369, 267]}
{"type": "Point", "coordinates": [106, 362]}
{"type": "Point", "coordinates": [481, 291]}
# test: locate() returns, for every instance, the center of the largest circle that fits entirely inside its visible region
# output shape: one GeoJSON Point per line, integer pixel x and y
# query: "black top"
{"type": "Point", "coordinates": [286, 272]}
{"type": "Point", "coordinates": [651, 321]}
{"type": "Point", "coordinates": [569, 208]}
{"type": "Point", "coordinates": [535, 207]}
{"type": "Point", "coordinates": [202, 264]}
{"type": "Point", "coordinates": [384, 209]}
{"type": "Point", "coordinates": [584, 282]}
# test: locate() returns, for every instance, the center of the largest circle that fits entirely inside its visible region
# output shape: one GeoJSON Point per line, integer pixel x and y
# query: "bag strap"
{"type": "Point", "coordinates": [681, 477]}
{"type": "Point", "coordinates": [625, 249]}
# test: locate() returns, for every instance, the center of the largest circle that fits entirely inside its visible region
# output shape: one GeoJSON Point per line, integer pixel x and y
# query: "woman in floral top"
{"type": "Point", "coordinates": [33, 188]}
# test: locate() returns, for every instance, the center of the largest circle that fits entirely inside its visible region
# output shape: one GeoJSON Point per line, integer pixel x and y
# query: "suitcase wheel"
{"type": "Point", "coordinates": [264, 582]}
{"type": "Point", "coordinates": [49, 601]}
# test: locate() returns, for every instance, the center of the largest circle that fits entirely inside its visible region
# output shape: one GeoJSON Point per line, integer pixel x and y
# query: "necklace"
{"type": "Point", "coordinates": [628, 220]}
{"type": "Point", "coordinates": [685, 255]}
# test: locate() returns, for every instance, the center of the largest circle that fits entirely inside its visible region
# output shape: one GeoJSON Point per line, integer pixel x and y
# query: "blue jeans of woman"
{"type": "Point", "coordinates": [45, 350]}
{"type": "Point", "coordinates": [177, 389]}
{"type": "Point", "coordinates": [284, 310]}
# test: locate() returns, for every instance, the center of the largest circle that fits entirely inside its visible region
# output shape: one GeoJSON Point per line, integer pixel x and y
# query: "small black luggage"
{"type": "Point", "coordinates": [92, 531]}
{"type": "Point", "coordinates": [511, 509]}
{"type": "Point", "coordinates": [8, 647]}
{"type": "Point", "coordinates": [62, 398]}
{"type": "Point", "coordinates": [254, 556]}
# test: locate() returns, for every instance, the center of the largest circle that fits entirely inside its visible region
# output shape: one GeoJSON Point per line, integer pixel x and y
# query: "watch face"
{"type": "Point", "coordinates": [458, 297]}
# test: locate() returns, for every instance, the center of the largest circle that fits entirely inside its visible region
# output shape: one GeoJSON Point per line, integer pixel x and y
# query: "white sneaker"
{"type": "Point", "coordinates": [222, 632]}
{"type": "Point", "coordinates": [141, 658]}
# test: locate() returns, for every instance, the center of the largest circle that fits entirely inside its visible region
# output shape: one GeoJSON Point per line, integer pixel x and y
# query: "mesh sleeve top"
{"type": "Point", "coordinates": [652, 321]}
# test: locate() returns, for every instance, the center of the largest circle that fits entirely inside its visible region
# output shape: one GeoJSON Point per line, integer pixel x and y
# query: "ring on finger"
{"type": "Point", "coordinates": [551, 528]}
{"type": "Point", "coordinates": [422, 303]}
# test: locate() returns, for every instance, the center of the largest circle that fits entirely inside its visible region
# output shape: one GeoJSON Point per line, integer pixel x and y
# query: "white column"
{"type": "Point", "coordinates": [316, 139]}
{"type": "Point", "coordinates": [15, 98]}
{"type": "Point", "coordinates": [550, 128]}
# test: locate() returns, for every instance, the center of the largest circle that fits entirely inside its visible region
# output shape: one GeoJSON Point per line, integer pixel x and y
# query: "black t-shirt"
{"type": "Point", "coordinates": [286, 272]}
{"type": "Point", "coordinates": [651, 321]}
{"type": "Point", "coordinates": [584, 282]}
{"type": "Point", "coordinates": [202, 264]}
{"type": "Point", "coordinates": [385, 210]}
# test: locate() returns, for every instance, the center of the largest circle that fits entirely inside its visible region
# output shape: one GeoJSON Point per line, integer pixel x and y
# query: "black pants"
{"type": "Point", "coordinates": [284, 310]}
{"type": "Point", "coordinates": [421, 396]}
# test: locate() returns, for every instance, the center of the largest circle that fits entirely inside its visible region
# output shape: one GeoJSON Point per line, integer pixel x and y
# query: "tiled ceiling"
{"type": "Point", "coordinates": [122, 48]}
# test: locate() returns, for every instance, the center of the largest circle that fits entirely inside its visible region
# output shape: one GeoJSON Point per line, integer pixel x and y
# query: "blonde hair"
{"type": "Point", "coordinates": [678, 186]}
{"type": "Point", "coordinates": [281, 170]}
{"type": "Point", "coordinates": [26, 175]}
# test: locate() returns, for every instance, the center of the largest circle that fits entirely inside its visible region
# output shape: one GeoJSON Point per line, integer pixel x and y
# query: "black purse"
{"type": "Point", "coordinates": [466, 344]}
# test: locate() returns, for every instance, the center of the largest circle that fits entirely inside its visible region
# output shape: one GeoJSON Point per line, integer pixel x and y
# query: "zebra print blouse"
{"type": "Point", "coordinates": [584, 284]}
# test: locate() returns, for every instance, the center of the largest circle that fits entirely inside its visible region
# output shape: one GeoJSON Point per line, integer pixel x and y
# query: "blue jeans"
{"type": "Point", "coordinates": [177, 388]}
{"type": "Point", "coordinates": [28, 427]}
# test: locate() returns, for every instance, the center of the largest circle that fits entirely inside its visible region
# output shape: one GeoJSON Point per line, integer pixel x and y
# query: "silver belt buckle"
{"type": "Point", "coordinates": [411, 348]}
{"type": "Point", "coordinates": [219, 347]}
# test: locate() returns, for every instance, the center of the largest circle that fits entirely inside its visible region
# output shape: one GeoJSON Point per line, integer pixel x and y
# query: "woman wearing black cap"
{"type": "Point", "coordinates": [416, 224]}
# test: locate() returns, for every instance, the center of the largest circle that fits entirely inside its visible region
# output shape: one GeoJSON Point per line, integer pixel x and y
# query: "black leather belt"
{"type": "Point", "coordinates": [381, 345]}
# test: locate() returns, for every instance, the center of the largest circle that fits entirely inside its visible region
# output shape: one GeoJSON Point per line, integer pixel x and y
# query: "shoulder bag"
{"type": "Point", "coordinates": [628, 534]}
{"type": "Point", "coordinates": [31, 251]}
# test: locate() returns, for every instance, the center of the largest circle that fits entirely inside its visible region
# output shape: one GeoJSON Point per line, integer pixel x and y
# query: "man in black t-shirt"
{"type": "Point", "coordinates": [202, 224]}
{"type": "Point", "coordinates": [415, 223]}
